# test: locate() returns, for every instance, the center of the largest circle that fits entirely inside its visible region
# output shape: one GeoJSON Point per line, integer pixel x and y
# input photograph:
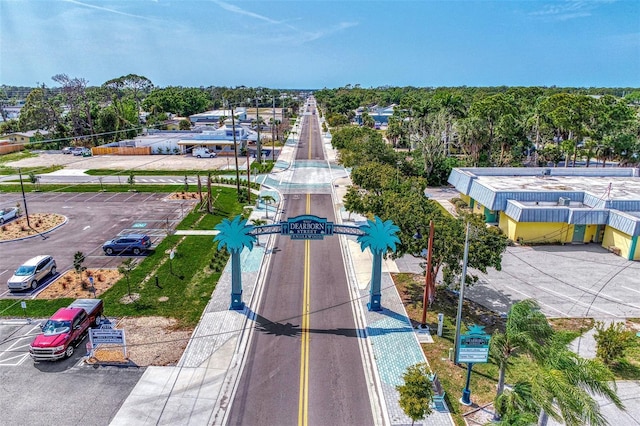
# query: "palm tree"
{"type": "Point", "coordinates": [235, 235]}
{"type": "Point", "coordinates": [527, 329]}
{"type": "Point", "coordinates": [515, 406]}
{"type": "Point", "coordinates": [563, 384]}
{"type": "Point", "coordinates": [560, 384]}
{"type": "Point", "coordinates": [379, 237]}
{"type": "Point", "coordinates": [258, 222]}
{"type": "Point", "coordinates": [268, 199]}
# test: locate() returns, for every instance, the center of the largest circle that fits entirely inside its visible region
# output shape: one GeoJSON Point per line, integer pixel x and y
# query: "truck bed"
{"type": "Point", "coordinates": [91, 306]}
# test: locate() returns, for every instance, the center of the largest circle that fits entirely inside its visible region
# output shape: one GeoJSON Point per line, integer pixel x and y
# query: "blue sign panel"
{"type": "Point", "coordinates": [306, 227]}
{"type": "Point", "coordinates": [474, 346]}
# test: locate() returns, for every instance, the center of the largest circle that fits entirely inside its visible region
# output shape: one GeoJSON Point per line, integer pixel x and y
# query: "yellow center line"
{"type": "Point", "coordinates": [303, 406]}
{"type": "Point", "coordinates": [309, 143]}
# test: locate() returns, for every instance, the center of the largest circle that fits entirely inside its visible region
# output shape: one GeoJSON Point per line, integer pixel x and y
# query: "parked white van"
{"type": "Point", "coordinates": [203, 153]}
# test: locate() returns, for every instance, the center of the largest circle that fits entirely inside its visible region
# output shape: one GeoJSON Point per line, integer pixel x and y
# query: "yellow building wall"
{"type": "Point", "coordinates": [614, 238]}
{"type": "Point", "coordinates": [536, 232]}
{"type": "Point", "coordinates": [465, 198]}
{"type": "Point", "coordinates": [590, 233]}
{"type": "Point", "coordinates": [508, 226]}
{"type": "Point", "coordinates": [478, 208]}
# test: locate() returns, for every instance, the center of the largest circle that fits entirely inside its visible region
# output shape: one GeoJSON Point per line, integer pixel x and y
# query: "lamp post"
{"type": "Point", "coordinates": [235, 150]}
{"type": "Point", "coordinates": [461, 298]}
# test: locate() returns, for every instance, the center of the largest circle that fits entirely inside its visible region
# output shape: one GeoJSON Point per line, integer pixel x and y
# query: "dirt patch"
{"type": "Point", "coordinates": [38, 223]}
{"type": "Point", "coordinates": [70, 284]}
{"type": "Point", "coordinates": [182, 195]}
{"type": "Point", "coordinates": [150, 341]}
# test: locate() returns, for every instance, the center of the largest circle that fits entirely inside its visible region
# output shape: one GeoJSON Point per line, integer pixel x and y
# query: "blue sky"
{"type": "Point", "coordinates": [316, 44]}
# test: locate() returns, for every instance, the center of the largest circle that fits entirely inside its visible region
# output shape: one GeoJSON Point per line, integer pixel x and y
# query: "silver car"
{"type": "Point", "coordinates": [8, 214]}
{"type": "Point", "coordinates": [32, 272]}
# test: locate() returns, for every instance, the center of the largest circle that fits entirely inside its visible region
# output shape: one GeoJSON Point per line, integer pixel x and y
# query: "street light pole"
{"type": "Point", "coordinates": [235, 150]}
{"type": "Point", "coordinates": [461, 298]}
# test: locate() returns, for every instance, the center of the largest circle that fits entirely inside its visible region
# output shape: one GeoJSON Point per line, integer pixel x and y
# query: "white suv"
{"type": "Point", "coordinates": [32, 272]}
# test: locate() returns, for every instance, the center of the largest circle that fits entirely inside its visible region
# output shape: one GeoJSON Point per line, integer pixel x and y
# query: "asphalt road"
{"type": "Point", "coordinates": [93, 218]}
{"type": "Point", "coordinates": [304, 363]}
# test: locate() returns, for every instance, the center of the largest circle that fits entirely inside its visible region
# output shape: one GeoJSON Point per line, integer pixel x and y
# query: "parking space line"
{"type": "Point", "coordinates": [578, 302]}
{"type": "Point", "coordinates": [630, 289]}
{"type": "Point", "coordinates": [527, 296]}
{"type": "Point", "coordinates": [595, 293]}
{"type": "Point", "coordinates": [74, 196]}
{"type": "Point", "coordinates": [96, 195]}
{"type": "Point", "coordinates": [115, 194]}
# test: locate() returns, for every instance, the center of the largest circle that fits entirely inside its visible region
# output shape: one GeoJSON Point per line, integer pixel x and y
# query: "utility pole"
{"type": "Point", "coordinates": [248, 177]}
{"type": "Point", "coordinates": [235, 150]}
{"type": "Point", "coordinates": [428, 276]}
{"type": "Point", "coordinates": [24, 198]}
{"type": "Point", "coordinates": [258, 143]}
{"type": "Point", "coordinates": [461, 299]}
{"type": "Point", "coordinates": [273, 127]}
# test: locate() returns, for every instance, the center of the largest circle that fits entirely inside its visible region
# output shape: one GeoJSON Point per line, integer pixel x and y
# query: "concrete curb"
{"type": "Point", "coordinates": [41, 234]}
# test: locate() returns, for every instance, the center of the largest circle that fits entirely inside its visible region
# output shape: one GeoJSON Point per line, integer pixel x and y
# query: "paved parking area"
{"type": "Point", "coordinates": [93, 218]}
{"type": "Point", "coordinates": [79, 394]}
{"type": "Point", "coordinates": [582, 280]}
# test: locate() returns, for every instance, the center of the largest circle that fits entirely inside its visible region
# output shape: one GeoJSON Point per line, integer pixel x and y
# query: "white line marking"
{"type": "Point", "coordinates": [630, 289]}
{"type": "Point", "coordinates": [541, 303]}
{"type": "Point", "coordinates": [577, 302]}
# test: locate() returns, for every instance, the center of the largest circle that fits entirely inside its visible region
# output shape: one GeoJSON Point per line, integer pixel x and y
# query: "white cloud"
{"type": "Point", "coordinates": [106, 9]}
{"type": "Point", "coordinates": [569, 9]}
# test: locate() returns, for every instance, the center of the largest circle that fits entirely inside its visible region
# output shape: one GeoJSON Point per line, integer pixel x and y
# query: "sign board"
{"type": "Point", "coordinates": [306, 227]}
{"type": "Point", "coordinates": [474, 346]}
{"type": "Point", "coordinates": [106, 335]}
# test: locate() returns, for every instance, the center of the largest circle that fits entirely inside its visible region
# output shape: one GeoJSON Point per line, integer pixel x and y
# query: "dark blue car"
{"type": "Point", "coordinates": [134, 243]}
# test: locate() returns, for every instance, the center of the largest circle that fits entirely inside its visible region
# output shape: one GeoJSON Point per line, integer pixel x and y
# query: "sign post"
{"type": "Point", "coordinates": [473, 348]}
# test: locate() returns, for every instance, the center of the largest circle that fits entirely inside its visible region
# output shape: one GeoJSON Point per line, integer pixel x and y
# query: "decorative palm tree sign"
{"type": "Point", "coordinates": [235, 235]}
{"type": "Point", "coordinates": [379, 237]}
{"type": "Point", "coordinates": [376, 235]}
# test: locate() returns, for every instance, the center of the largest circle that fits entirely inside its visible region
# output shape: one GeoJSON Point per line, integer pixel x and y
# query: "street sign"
{"type": "Point", "coordinates": [306, 227]}
{"type": "Point", "coordinates": [474, 346]}
{"type": "Point", "coordinates": [105, 335]}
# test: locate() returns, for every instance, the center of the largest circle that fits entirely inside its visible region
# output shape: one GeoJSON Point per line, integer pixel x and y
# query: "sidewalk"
{"type": "Point", "coordinates": [199, 389]}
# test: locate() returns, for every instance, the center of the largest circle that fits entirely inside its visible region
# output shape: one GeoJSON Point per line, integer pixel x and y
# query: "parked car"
{"type": "Point", "coordinates": [203, 152]}
{"type": "Point", "coordinates": [134, 243]}
{"type": "Point", "coordinates": [67, 150]}
{"type": "Point", "coordinates": [32, 272]}
{"type": "Point", "coordinates": [8, 214]}
{"type": "Point", "coordinates": [81, 151]}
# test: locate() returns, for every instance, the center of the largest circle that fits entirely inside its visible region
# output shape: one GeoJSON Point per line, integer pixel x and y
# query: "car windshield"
{"type": "Point", "coordinates": [25, 270]}
{"type": "Point", "coordinates": [1, 212]}
{"type": "Point", "coordinates": [52, 327]}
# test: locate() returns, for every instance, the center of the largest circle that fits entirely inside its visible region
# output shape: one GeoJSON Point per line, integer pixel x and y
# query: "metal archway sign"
{"type": "Point", "coordinates": [377, 235]}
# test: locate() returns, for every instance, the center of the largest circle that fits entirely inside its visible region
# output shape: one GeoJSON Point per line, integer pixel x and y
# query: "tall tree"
{"type": "Point", "coordinates": [526, 331]}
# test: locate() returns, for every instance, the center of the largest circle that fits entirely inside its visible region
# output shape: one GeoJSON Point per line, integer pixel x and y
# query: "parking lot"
{"type": "Point", "coordinates": [568, 281]}
{"type": "Point", "coordinates": [78, 394]}
{"type": "Point", "coordinates": [93, 218]}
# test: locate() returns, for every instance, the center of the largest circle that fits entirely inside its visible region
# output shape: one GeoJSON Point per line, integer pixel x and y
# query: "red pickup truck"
{"type": "Point", "coordinates": [66, 329]}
